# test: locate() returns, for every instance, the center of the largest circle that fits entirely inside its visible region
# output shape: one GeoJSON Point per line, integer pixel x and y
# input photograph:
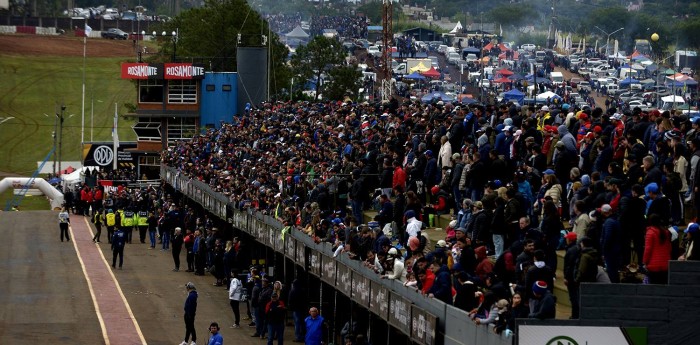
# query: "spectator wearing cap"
{"type": "Point", "coordinates": [610, 240]}
{"type": "Point", "coordinates": [431, 174]}
{"type": "Point", "coordinates": [658, 203]}
{"type": "Point", "coordinates": [190, 313]}
{"type": "Point", "coordinates": [261, 300]}
{"type": "Point", "coordinates": [275, 314]}
{"type": "Point", "coordinates": [584, 127]}
{"type": "Point", "coordinates": [543, 304]}
{"type": "Point", "coordinates": [691, 252]}
{"type": "Point", "coordinates": [503, 141]}
{"type": "Point", "coordinates": [393, 266]}
{"type": "Point", "coordinates": [571, 259]}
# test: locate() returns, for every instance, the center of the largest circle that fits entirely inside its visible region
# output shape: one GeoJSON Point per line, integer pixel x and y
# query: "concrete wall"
{"type": "Point", "coordinates": [669, 312]}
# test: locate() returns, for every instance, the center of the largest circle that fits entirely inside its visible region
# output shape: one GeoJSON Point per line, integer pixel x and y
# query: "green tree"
{"type": "Point", "coordinates": [316, 59]}
{"type": "Point", "coordinates": [511, 15]}
{"type": "Point", "coordinates": [210, 35]}
{"type": "Point", "coordinates": [343, 80]}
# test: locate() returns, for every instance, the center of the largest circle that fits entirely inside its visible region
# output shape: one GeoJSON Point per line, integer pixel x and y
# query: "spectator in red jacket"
{"type": "Point", "coordinates": [399, 178]}
{"type": "Point", "coordinates": [484, 266]}
{"type": "Point", "coordinates": [657, 250]}
{"type": "Point", "coordinates": [440, 206]}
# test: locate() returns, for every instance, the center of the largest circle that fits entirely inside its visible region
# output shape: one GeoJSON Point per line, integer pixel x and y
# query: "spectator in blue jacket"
{"type": "Point", "coordinates": [314, 327]}
{"type": "Point", "coordinates": [118, 242]}
{"type": "Point", "coordinates": [190, 311]}
{"type": "Point", "coordinates": [610, 240]}
{"type": "Point", "coordinates": [442, 286]}
{"type": "Point", "coordinates": [216, 338]}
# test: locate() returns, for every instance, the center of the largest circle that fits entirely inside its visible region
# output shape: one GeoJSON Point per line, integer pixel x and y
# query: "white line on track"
{"type": "Point", "coordinates": [116, 283]}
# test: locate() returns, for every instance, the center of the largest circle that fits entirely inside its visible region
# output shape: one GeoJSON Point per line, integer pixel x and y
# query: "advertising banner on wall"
{"type": "Point", "coordinates": [581, 335]}
{"type": "Point", "coordinates": [142, 70]}
{"type": "Point", "coordinates": [102, 154]}
{"type": "Point", "coordinates": [184, 71]}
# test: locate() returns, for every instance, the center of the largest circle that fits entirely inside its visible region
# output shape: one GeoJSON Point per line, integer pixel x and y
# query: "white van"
{"type": "Point", "coordinates": [557, 77]}
{"type": "Point", "coordinates": [539, 55]}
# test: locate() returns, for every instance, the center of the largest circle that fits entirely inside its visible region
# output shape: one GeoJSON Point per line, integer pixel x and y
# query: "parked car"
{"type": "Point", "coordinates": [115, 34]}
{"type": "Point", "coordinates": [528, 47]}
{"type": "Point", "coordinates": [374, 51]}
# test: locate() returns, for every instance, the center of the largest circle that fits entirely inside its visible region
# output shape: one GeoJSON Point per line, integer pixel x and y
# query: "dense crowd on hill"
{"type": "Point", "coordinates": [519, 182]}
{"type": "Point", "coordinates": [346, 26]}
{"type": "Point", "coordinates": [283, 23]}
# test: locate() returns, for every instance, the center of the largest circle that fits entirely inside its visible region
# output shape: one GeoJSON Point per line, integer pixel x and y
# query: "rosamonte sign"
{"type": "Point", "coordinates": [173, 71]}
{"type": "Point", "coordinates": [142, 71]}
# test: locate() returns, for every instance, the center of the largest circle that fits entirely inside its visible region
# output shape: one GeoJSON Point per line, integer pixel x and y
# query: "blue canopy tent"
{"type": "Point", "coordinates": [514, 95]}
{"type": "Point", "coordinates": [627, 82]}
{"type": "Point", "coordinates": [676, 83]}
{"type": "Point", "coordinates": [437, 96]}
{"type": "Point", "coordinates": [414, 76]}
{"type": "Point", "coordinates": [672, 83]}
{"type": "Point", "coordinates": [516, 76]}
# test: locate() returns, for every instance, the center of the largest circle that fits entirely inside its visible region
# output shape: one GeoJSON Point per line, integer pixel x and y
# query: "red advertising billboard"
{"type": "Point", "coordinates": [142, 71]}
{"type": "Point", "coordinates": [184, 71]}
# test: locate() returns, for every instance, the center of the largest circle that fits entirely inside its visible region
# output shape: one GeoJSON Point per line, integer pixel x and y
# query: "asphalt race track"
{"type": "Point", "coordinates": [57, 292]}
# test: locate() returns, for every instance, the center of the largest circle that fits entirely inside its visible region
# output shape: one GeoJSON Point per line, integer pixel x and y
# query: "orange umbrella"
{"type": "Point", "coordinates": [504, 72]}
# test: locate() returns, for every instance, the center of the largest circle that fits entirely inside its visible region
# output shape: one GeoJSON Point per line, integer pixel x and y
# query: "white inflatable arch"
{"type": "Point", "coordinates": [52, 193]}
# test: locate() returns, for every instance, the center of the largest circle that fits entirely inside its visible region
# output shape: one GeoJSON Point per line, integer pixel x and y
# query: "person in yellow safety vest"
{"type": "Point", "coordinates": [98, 220]}
{"type": "Point", "coordinates": [128, 222]}
{"type": "Point", "coordinates": [142, 223]}
{"type": "Point", "coordinates": [110, 221]}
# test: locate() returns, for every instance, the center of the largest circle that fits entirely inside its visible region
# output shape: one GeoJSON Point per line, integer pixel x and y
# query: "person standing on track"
{"type": "Point", "coordinates": [177, 247]}
{"type": "Point", "coordinates": [235, 295]}
{"type": "Point", "coordinates": [142, 223]}
{"type": "Point", "coordinates": [110, 221]}
{"type": "Point", "coordinates": [118, 243]}
{"type": "Point", "coordinates": [98, 219]}
{"type": "Point", "coordinates": [190, 312]}
{"type": "Point", "coordinates": [63, 222]}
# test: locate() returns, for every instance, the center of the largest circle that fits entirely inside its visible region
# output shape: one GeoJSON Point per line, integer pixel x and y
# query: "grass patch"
{"type": "Point", "coordinates": [31, 92]}
{"type": "Point", "coordinates": [29, 203]}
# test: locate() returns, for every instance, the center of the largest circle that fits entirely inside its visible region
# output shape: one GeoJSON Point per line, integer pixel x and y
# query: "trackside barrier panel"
{"type": "Point", "coordinates": [426, 321]}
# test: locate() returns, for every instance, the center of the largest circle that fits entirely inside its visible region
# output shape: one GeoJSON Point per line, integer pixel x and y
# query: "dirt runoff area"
{"type": "Point", "coordinates": [63, 45]}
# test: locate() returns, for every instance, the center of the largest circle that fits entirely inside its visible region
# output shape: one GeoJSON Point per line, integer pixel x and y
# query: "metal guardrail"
{"type": "Point", "coordinates": [425, 320]}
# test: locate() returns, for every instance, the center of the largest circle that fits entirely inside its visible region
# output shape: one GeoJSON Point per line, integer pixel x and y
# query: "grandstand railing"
{"type": "Point", "coordinates": [425, 320]}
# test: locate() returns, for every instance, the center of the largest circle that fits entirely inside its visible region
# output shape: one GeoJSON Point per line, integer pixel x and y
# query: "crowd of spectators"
{"type": "Point", "coordinates": [346, 26]}
{"type": "Point", "coordinates": [283, 23]}
{"type": "Point", "coordinates": [520, 183]}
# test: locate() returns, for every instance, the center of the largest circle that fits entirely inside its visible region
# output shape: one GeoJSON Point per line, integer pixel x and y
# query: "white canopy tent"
{"type": "Point", "coordinates": [76, 177]}
{"type": "Point", "coordinates": [457, 28]}
{"type": "Point", "coordinates": [297, 33]}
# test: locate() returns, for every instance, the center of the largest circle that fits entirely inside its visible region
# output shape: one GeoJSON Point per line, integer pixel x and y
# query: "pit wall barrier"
{"type": "Point", "coordinates": [425, 320]}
